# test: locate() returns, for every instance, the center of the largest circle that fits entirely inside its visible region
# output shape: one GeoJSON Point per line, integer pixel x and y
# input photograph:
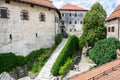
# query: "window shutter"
{"type": "Point", "coordinates": [8, 14]}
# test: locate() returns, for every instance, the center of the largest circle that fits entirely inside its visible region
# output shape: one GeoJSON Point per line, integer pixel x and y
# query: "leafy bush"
{"type": "Point", "coordinates": [37, 59]}
{"type": "Point", "coordinates": [104, 50]}
{"type": "Point", "coordinates": [41, 59]}
{"type": "Point", "coordinates": [69, 51]}
{"type": "Point", "coordinates": [66, 66]}
{"type": "Point", "coordinates": [81, 42]}
{"type": "Point", "coordinates": [7, 62]}
{"type": "Point", "coordinates": [58, 39]}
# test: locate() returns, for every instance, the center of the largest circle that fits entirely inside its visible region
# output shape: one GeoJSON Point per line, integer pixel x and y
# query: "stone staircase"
{"type": "Point", "coordinates": [45, 73]}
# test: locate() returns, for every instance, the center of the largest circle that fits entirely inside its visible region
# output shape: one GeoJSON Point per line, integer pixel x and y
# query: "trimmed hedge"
{"type": "Point", "coordinates": [8, 61]}
{"type": "Point", "coordinates": [58, 39]}
{"type": "Point", "coordinates": [104, 51]}
{"type": "Point", "coordinates": [69, 51]}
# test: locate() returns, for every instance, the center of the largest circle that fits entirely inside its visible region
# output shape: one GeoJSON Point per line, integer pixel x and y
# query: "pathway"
{"type": "Point", "coordinates": [45, 73]}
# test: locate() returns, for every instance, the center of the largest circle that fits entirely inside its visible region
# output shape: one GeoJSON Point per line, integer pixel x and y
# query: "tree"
{"type": "Point", "coordinates": [104, 50]}
{"type": "Point", "coordinates": [94, 24]}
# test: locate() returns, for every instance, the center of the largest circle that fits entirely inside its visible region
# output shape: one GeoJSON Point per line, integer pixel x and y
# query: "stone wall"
{"type": "Point", "coordinates": [112, 23]}
{"type": "Point", "coordinates": [27, 35]}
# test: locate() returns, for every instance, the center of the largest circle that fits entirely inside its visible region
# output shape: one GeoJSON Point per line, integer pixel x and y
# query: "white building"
{"type": "Point", "coordinates": [113, 24]}
{"type": "Point", "coordinates": [72, 17]}
{"type": "Point", "coordinates": [27, 25]}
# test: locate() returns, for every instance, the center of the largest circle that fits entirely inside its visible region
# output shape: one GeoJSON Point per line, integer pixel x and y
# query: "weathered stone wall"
{"type": "Point", "coordinates": [73, 28]}
{"type": "Point", "coordinates": [24, 32]}
{"type": "Point", "coordinates": [112, 23]}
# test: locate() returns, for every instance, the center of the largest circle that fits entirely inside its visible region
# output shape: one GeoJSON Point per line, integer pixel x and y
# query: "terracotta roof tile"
{"type": "Point", "coordinates": [72, 7]}
{"type": "Point", "coordinates": [98, 70]}
{"type": "Point", "coordinates": [45, 3]}
{"type": "Point", "coordinates": [115, 13]}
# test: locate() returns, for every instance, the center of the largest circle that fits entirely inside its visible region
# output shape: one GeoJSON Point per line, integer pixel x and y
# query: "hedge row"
{"type": "Point", "coordinates": [8, 61]}
{"type": "Point", "coordinates": [104, 50]}
{"type": "Point", "coordinates": [35, 60]}
{"type": "Point", "coordinates": [69, 51]}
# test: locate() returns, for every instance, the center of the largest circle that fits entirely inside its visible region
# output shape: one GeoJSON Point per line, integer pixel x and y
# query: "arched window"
{"type": "Point", "coordinates": [42, 17]}
{"type": "Point", "coordinates": [4, 13]}
{"type": "Point", "coordinates": [24, 15]}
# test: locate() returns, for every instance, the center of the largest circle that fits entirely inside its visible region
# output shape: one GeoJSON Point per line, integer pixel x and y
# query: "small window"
{"type": "Point", "coordinates": [70, 22]}
{"type": "Point", "coordinates": [75, 15]}
{"type": "Point", "coordinates": [32, 5]}
{"type": "Point", "coordinates": [108, 29]}
{"type": "Point", "coordinates": [81, 22]}
{"type": "Point", "coordinates": [24, 15]}
{"type": "Point", "coordinates": [42, 17]}
{"type": "Point", "coordinates": [36, 35]}
{"type": "Point", "coordinates": [113, 29]}
{"type": "Point", "coordinates": [7, 1]}
{"type": "Point", "coordinates": [4, 13]}
{"type": "Point", "coordinates": [74, 29]}
{"type": "Point", "coordinates": [70, 30]}
{"type": "Point", "coordinates": [70, 14]}
{"type": "Point", "coordinates": [75, 22]}
{"type": "Point", "coordinates": [62, 14]}
{"type": "Point", "coordinates": [81, 15]}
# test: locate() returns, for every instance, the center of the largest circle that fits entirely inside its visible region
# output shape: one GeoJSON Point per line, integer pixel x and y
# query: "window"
{"type": "Point", "coordinates": [108, 29]}
{"type": "Point", "coordinates": [70, 14]}
{"type": "Point", "coordinates": [4, 13]}
{"type": "Point", "coordinates": [70, 30]}
{"type": "Point", "coordinates": [81, 15]}
{"type": "Point", "coordinates": [75, 15]}
{"type": "Point", "coordinates": [70, 22]}
{"type": "Point", "coordinates": [74, 29]}
{"type": "Point", "coordinates": [36, 35]}
{"type": "Point", "coordinates": [7, 1]}
{"type": "Point", "coordinates": [113, 29]}
{"type": "Point", "coordinates": [75, 22]}
{"type": "Point", "coordinates": [62, 14]}
{"type": "Point", "coordinates": [24, 15]}
{"type": "Point", "coordinates": [42, 17]}
{"type": "Point", "coordinates": [80, 22]}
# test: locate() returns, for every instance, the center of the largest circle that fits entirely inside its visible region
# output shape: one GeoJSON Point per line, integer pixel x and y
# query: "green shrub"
{"type": "Point", "coordinates": [21, 60]}
{"type": "Point", "coordinates": [81, 42]}
{"type": "Point", "coordinates": [40, 60]}
{"type": "Point", "coordinates": [66, 66]}
{"type": "Point", "coordinates": [7, 62]}
{"type": "Point", "coordinates": [69, 51]}
{"type": "Point", "coordinates": [104, 50]}
{"type": "Point", "coordinates": [58, 39]}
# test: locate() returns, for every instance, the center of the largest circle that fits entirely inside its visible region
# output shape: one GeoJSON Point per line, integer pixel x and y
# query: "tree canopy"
{"type": "Point", "coordinates": [104, 50]}
{"type": "Point", "coordinates": [94, 24]}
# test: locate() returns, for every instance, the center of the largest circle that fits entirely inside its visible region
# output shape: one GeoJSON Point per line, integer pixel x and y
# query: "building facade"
{"type": "Point", "coordinates": [113, 24]}
{"type": "Point", "coordinates": [72, 17]}
{"type": "Point", "coordinates": [27, 25]}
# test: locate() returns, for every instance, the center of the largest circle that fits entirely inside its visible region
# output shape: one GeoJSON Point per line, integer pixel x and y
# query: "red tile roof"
{"type": "Point", "coordinates": [45, 3]}
{"type": "Point", "coordinates": [115, 13]}
{"type": "Point", "coordinates": [72, 7]}
{"type": "Point", "coordinates": [98, 70]}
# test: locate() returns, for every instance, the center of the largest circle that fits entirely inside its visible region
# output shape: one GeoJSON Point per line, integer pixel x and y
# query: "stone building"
{"type": "Point", "coordinates": [27, 25]}
{"type": "Point", "coordinates": [72, 17]}
{"type": "Point", "coordinates": [113, 24]}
